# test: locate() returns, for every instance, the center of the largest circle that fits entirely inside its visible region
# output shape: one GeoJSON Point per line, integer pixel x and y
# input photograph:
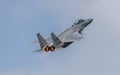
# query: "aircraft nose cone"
{"type": "Point", "coordinates": [90, 20]}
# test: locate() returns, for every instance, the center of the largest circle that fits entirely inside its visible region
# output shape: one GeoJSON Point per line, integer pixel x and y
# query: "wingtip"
{"type": "Point", "coordinates": [37, 50]}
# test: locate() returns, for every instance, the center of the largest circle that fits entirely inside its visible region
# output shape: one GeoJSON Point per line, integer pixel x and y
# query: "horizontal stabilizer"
{"type": "Point", "coordinates": [37, 50]}
{"type": "Point", "coordinates": [56, 40]}
{"type": "Point", "coordinates": [42, 41]}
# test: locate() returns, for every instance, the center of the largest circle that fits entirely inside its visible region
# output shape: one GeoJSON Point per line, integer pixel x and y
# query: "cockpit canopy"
{"type": "Point", "coordinates": [78, 21]}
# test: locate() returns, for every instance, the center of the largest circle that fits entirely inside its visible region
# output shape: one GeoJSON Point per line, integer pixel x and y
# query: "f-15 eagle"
{"type": "Point", "coordinates": [63, 39]}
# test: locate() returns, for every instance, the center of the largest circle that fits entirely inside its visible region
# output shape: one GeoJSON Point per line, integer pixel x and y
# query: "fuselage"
{"type": "Point", "coordinates": [78, 26]}
{"type": "Point", "coordinates": [61, 41]}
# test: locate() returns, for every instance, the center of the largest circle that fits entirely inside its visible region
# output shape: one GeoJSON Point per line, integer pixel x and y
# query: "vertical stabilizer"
{"type": "Point", "coordinates": [42, 41]}
{"type": "Point", "coordinates": [55, 39]}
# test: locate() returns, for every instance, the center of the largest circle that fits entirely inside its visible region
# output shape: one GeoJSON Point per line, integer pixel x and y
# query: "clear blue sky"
{"type": "Point", "coordinates": [21, 20]}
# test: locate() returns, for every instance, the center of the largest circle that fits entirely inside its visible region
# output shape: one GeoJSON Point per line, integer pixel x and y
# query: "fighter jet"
{"type": "Point", "coordinates": [64, 39]}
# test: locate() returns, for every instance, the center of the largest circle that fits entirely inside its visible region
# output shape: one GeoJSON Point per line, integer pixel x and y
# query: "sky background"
{"type": "Point", "coordinates": [21, 20]}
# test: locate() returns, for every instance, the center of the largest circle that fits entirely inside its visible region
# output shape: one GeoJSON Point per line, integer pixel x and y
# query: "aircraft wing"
{"type": "Point", "coordinates": [66, 36]}
{"type": "Point", "coordinates": [69, 35]}
{"type": "Point", "coordinates": [73, 38]}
